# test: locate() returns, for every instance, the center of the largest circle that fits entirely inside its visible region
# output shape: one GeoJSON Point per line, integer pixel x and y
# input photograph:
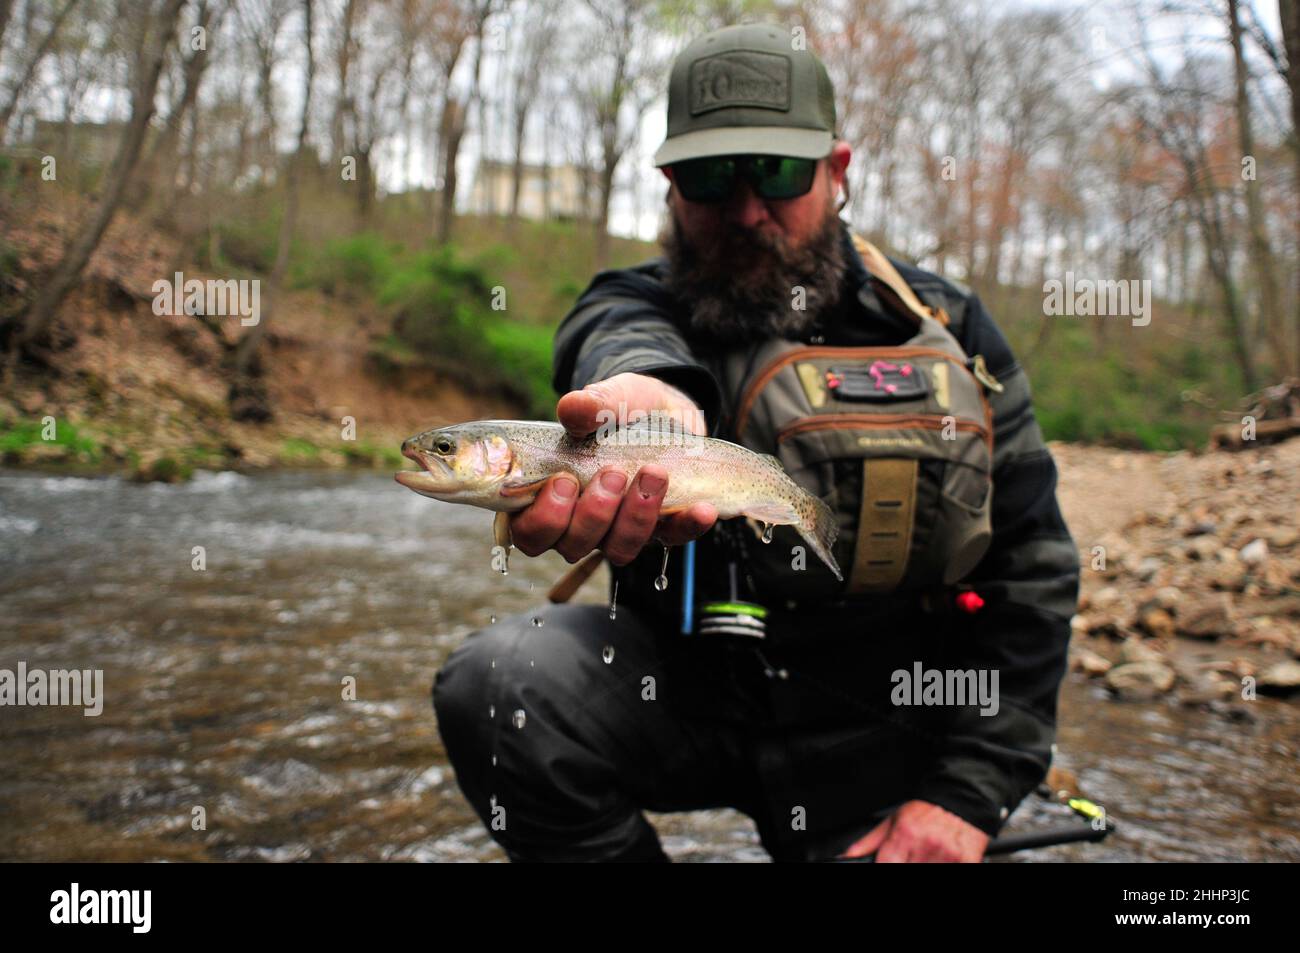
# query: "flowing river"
{"type": "Point", "coordinates": [225, 733]}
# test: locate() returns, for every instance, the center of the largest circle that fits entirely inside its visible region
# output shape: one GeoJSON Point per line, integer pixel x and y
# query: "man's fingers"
{"type": "Point", "coordinates": [537, 528]}
{"type": "Point", "coordinates": [578, 411]}
{"type": "Point", "coordinates": [895, 850]}
{"type": "Point", "coordinates": [865, 846]}
{"type": "Point", "coordinates": [637, 515]}
{"type": "Point", "coordinates": [625, 397]}
{"type": "Point", "coordinates": [687, 525]}
{"type": "Point", "coordinates": [593, 515]}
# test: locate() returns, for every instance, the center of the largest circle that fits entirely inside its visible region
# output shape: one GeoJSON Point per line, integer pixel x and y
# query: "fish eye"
{"type": "Point", "coordinates": [444, 445]}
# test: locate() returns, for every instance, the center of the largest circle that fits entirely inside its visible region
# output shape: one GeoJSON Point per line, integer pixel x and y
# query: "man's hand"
{"type": "Point", "coordinates": [920, 832]}
{"type": "Point", "coordinates": [602, 516]}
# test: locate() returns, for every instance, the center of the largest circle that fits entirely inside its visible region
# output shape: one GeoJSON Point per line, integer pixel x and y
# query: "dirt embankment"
{"type": "Point", "coordinates": [1191, 571]}
{"type": "Point", "coordinates": [137, 387]}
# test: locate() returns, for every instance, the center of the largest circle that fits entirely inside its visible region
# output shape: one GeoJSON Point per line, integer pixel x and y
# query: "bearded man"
{"type": "Point", "coordinates": [753, 680]}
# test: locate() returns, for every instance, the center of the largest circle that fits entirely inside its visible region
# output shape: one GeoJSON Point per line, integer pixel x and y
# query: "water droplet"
{"type": "Point", "coordinates": [492, 620]}
{"type": "Point", "coordinates": [608, 654]}
{"type": "Point", "coordinates": [530, 587]}
{"type": "Point", "coordinates": [662, 582]}
{"type": "Point", "coordinates": [519, 718]}
{"type": "Point", "coordinates": [613, 601]}
{"type": "Point", "coordinates": [492, 711]}
{"type": "Point", "coordinates": [538, 622]}
{"type": "Point", "coordinates": [767, 532]}
{"type": "Point", "coordinates": [494, 761]}
{"type": "Point", "coordinates": [494, 663]}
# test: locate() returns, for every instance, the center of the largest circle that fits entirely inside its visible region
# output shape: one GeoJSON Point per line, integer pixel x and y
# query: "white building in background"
{"type": "Point", "coordinates": [545, 191]}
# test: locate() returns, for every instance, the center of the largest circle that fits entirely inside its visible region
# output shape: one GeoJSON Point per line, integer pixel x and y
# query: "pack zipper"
{"type": "Point", "coordinates": [880, 422]}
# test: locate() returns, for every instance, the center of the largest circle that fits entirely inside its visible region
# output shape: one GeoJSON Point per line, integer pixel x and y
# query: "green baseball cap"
{"type": "Point", "coordinates": [748, 90]}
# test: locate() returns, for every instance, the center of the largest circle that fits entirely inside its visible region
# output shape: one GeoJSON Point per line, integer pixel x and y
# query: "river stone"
{"type": "Point", "coordinates": [1206, 687]}
{"type": "Point", "coordinates": [1254, 553]}
{"type": "Point", "coordinates": [1229, 577]}
{"type": "Point", "coordinates": [1140, 681]}
{"type": "Point", "coordinates": [1168, 598]}
{"type": "Point", "coordinates": [1280, 679]}
{"type": "Point", "coordinates": [1283, 537]}
{"type": "Point", "coordinates": [1135, 650]}
{"type": "Point", "coordinates": [1147, 569]}
{"type": "Point", "coordinates": [1089, 663]}
{"type": "Point", "coordinates": [1208, 621]}
{"type": "Point", "coordinates": [1157, 622]}
{"type": "Point", "coordinates": [1108, 595]}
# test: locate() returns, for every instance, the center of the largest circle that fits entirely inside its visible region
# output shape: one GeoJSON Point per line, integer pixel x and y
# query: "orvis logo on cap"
{"type": "Point", "coordinates": [740, 78]}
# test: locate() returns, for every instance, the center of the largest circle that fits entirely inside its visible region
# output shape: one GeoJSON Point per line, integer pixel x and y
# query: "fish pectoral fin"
{"type": "Point", "coordinates": [521, 489]}
{"type": "Point", "coordinates": [501, 530]}
{"type": "Point", "coordinates": [673, 510]}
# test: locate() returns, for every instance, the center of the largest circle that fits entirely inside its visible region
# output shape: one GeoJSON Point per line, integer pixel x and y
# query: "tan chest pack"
{"type": "Point", "coordinates": [898, 441]}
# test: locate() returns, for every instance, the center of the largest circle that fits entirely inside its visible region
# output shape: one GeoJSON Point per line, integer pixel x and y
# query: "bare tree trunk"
{"type": "Point", "coordinates": [6, 9]}
{"type": "Point", "coordinates": [248, 397]}
{"type": "Point", "coordinates": [343, 65]}
{"type": "Point", "coordinates": [34, 332]}
{"type": "Point", "coordinates": [453, 128]}
{"type": "Point", "coordinates": [455, 119]}
{"type": "Point", "coordinates": [1261, 249]}
{"type": "Point", "coordinates": [1290, 14]}
{"type": "Point", "coordinates": [609, 162]}
{"type": "Point", "coordinates": [165, 148]}
{"type": "Point", "coordinates": [517, 173]}
{"type": "Point", "coordinates": [30, 70]}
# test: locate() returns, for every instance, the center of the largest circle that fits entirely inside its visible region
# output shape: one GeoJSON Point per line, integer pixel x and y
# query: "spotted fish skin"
{"type": "Point", "coordinates": [501, 465]}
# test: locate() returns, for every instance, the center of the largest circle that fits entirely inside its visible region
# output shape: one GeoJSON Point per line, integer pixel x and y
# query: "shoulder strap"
{"type": "Point", "coordinates": [880, 268]}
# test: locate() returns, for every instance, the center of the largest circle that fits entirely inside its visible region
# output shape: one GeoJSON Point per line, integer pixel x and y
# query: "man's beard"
{"type": "Point", "coordinates": [742, 285]}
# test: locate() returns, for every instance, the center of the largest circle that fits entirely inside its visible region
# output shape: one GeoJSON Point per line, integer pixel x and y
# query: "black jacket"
{"type": "Point", "coordinates": [982, 766]}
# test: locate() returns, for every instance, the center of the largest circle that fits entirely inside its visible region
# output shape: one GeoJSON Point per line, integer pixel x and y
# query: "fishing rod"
{"type": "Point", "coordinates": [1049, 837]}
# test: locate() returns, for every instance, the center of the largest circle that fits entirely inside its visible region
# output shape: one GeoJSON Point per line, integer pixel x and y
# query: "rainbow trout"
{"type": "Point", "coordinates": [501, 465]}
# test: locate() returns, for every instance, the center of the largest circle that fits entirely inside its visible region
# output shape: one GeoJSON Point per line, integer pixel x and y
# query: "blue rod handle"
{"type": "Point", "coordinates": [688, 590]}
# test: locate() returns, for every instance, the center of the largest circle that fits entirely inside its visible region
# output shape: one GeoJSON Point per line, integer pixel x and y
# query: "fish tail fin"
{"type": "Point", "coordinates": [819, 529]}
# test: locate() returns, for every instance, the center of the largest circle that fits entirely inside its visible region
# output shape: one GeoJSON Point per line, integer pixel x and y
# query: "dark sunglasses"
{"type": "Point", "coordinates": [713, 179]}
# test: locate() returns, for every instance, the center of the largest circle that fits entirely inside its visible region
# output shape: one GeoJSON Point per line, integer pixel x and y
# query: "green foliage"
{"type": "Point", "coordinates": [370, 455]}
{"type": "Point", "coordinates": [439, 305]}
{"type": "Point", "coordinates": [9, 262]}
{"type": "Point", "coordinates": [247, 243]}
{"type": "Point", "coordinates": [1131, 396]}
{"type": "Point", "coordinates": [354, 267]}
{"type": "Point", "coordinates": [165, 470]}
{"type": "Point", "coordinates": [22, 442]}
{"type": "Point", "coordinates": [295, 451]}
{"type": "Point", "coordinates": [522, 353]}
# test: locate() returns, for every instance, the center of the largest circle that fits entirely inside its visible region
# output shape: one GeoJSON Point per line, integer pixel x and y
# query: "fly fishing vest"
{"type": "Point", "coordinates": [898, 441]}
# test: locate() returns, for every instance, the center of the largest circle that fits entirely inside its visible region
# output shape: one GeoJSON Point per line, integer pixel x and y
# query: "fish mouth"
{"type": "Point", "coordinates": [435, 476]}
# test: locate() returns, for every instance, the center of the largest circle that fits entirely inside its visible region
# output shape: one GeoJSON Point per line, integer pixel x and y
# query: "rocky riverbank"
{"type": "Point", "coordinates": [1191, 573]}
